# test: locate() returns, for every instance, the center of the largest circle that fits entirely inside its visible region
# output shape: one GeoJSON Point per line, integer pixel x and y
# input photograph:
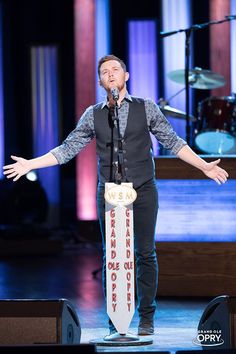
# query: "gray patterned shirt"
{"type": "Point", "coordinates": [84, 132]}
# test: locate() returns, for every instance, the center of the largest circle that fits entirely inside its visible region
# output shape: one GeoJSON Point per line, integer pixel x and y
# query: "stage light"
{"type": "Point", "coordinates": [32, 176]}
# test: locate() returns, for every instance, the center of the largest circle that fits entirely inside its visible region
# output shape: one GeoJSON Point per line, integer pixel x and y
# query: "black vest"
{"type": "Point", "coordinates": [138, 161]}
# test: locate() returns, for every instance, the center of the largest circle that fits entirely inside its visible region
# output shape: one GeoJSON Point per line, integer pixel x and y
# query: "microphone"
{"type": "Point", "coordinates": [115, 93]}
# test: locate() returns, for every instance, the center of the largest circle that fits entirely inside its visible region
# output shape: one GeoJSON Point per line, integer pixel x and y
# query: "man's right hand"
{"type": "Point", "coordinates": [17, 169]}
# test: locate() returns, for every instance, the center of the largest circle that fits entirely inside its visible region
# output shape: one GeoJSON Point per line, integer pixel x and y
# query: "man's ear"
{"type": "Point", "coordinates": [126, 76]}
{"type": "Point", "coordinates": [99, 83]}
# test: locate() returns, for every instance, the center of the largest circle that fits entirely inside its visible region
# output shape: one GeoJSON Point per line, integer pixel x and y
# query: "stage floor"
{"type": "Point", "coordinates": [69, 275]}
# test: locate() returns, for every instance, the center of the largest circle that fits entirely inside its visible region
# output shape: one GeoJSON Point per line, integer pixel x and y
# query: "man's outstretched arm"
{"type": "Point", "coordinates": [210, 169]}
{"type": "Point", "coordinates": [23, 166]}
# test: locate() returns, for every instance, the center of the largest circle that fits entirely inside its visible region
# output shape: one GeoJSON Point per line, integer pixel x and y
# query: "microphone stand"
{"type": "Point", "coordinates": [119, 165]}
{"type": "Point", "coordinates": [188, 32]}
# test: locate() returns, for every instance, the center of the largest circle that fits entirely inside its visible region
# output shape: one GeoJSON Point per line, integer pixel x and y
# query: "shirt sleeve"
{"type": "Point", "coordinates": [161, 128]}
{"type": "Point", "coordinates": [77, 139]}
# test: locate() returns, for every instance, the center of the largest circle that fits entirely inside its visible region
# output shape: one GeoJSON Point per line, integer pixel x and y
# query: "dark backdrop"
{"type": "Point", "coordinates": [36, 22]}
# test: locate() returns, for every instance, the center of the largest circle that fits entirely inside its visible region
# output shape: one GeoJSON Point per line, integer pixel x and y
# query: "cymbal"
{"type": "Point", "coordinates": [198, 78]}
{"type": "Point", "coordinates": [175, 113]}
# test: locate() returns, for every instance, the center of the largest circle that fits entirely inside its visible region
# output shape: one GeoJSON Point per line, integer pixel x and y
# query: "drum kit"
{"type": "Point", "coordinates": [215, 125]}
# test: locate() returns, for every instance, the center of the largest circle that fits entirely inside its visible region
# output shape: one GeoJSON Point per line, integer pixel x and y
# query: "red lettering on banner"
{"type": "Point", "coordinates": [113, 243]}
{"type": "Point", "coordinates": [112, 213]}
{"type": "Point", "coordinates": [128, 243]}
{"type": "Point", "coordinates": [128, 276]}
{"type": "Point", "coordinates": [113, 254]}
{"type": "Point", "coordinates": [128, 265]}
{"type": "Point", "coordinates": [113, 276]}
{"type": "Point", "coordinates": [114, 307]}
{"type": "Point", "coordinates": [113, 234]}
{"type": "Point", "coordinates": [113, 265]}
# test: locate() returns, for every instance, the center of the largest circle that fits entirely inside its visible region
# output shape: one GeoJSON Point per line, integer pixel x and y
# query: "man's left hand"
{"type": "Point", "coordinates": [213, 171]}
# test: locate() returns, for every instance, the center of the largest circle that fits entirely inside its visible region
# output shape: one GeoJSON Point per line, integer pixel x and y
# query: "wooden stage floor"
{"type": "Point", "coordinates": [69, 274]}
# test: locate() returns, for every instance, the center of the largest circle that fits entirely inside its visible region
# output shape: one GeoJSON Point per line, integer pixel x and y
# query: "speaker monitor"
{"type": "Point", "coordinates": [219, 318]}
{"type": "Point", "coordinates": [38, 322]}
{"type": "Point", "coordinates": [49, 348]}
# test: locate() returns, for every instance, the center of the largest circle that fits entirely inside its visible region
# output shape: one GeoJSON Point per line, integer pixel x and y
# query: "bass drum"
{"type": "Point", "coordinates": [215, 131]}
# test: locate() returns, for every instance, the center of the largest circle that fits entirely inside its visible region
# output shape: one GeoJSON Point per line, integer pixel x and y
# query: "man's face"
{"type": "Point", "coordinates": [112, 75]}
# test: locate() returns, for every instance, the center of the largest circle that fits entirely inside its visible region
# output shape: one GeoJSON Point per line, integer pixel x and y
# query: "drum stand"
{"type": "Point", "coordinates": [188, 31]}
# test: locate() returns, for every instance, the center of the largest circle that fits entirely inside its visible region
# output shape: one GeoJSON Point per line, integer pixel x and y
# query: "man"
{"type": "Point", "coordinates": [137, 117]}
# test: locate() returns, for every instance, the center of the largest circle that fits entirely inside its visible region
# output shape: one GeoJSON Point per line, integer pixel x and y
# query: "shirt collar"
{"type": "Point", "coordinates": [127, 98]}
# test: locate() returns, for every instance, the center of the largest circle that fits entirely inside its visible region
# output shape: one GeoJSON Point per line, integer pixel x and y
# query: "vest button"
{"type": "Point", "coordinates": [125, 160]}
{"type": "Point", "coordinates": [126, 168]}
{"type": "Point", "coordinates": [124, 151]}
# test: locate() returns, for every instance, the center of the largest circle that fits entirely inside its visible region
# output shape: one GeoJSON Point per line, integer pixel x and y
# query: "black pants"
{"type": "Point", "coordinates": [145, 213]}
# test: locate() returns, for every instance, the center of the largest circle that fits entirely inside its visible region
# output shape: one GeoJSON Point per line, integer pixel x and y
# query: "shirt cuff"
{"type": "Point", "coordinates": [58, 155]}
{"type": "Point", "coordinates": [178, 146]}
